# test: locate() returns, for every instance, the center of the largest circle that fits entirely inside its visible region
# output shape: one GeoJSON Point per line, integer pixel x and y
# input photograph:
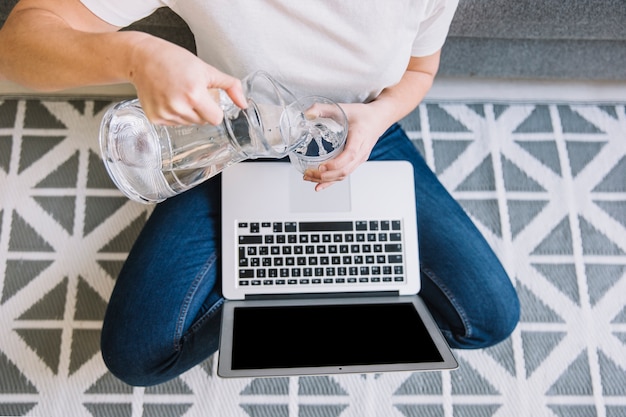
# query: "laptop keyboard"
{"type": "Point", "coordinates": [314, 253]}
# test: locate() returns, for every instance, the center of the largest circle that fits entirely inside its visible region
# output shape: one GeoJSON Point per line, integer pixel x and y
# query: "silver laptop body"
{"type": "Point", "coordinates": [300, 268]}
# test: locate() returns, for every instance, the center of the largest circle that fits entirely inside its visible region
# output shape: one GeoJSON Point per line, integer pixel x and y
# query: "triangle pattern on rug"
{"type": "Point", "coordinates": [421, 383]}
{"type": "Point", "coordinates": [16, 409]}
{"type": "Point", "coordinates": [575, 381]}
{"type": "Point", "coordinates": [85, 345]}
{"type": "Point", "coordinates": [563, 277]}
{"type": "Point", "coordinates": [64, 176]}
{"type": "Point", "coordinates": [441, 121]}
{"type": "Point", "coordinates": [574, 410]}
{"type": "Point", "coordinates": [581, 153]}
{"type": "Point", "coordinates": [535, 310]}
{"type": "Point", "coordinates": [24, 238]}
{"type": "Point", "coordinates": [46, 343]}
{"type": "Point", "coordinates": [412, 122]}
{"type": "Point", "coordinates": [538, 346]}
{"type": "Point", "coordinates": [267, 386]}
{"type": "Point", "coordinates": [614, 180]}
{"type": "Point", "coordinates": [613, 376]}
{"type": "Point", "coordinates": [51, 306]}
{"type": "Point", "coordinates": [98, 209]}
{"type": "Point", "coordinates": [572, 122]}
{"type": "Point", "coordinates": [266, 410]}
{"type": "Point", "coordinates": [595, 242]}
{"type": "Point", "coordinates": [620, 318]}
{"type": "Point", "coordinates": [110, 409]}
{"type": "Point", "coordinates": [610, 110]}
{"type": "Point", "coordinates": [39, 117]}
{"type": "Point", "coordinates": [319, 385]}
{"type": "Point", "coordinates": [8, 110]}
{"type": "Point", "coordinates": [6, 144]}
{"type": "Point", "coordinates": [467, 381]}
{"type": "Point", "coordinates": [621, 337]}
{"type": "Point", "coordinates": [504, 355]}
{"type": "Point", "coordinates": [517, 180]}
{"type": "Point", "coordinates": [89, 304]}
{"type": "Point", "coordinates": [485, 211]}
{"type": "Point", "coordinates": [615, 209]}
{"type": "Point", "coordinates": [169, 410]}
{"type": "Point", "coordinates": [62, 209]}
{"type": "Point", "coordinates": [480, 179]}
{"type": "Point", "coordinates": [558, 241]}
{"type": "Point", "coordinates": [420, 410]}
{"type": "Point", "coordinates": [123, 242]}
{"type": "Point", "coordinates": [314, 410]}
{"type": "Point", "coordinates": [447, 151]}
{"type": "Point", "coordinates": [109, 384]}
{"type": "Point", "coordinates": [419, 144]}
{"type": "Point", "coordinates": [34, 148]}
{"type": "Point", "coordinates": [99, 105]}
{"type": "Point", "coordinates": [601, 278]}
{"type": "Point", "coordinates": [499, 109]}
{"type": "Point", "coordinates": [97, 175]}
{"type": "Point", "coordinates": [208, 365]}
{"type": "Point", "coordinates": [479, 109]}
{"type": "Point", "coordinates": [112, 268]}
{"type": "Point", "coordinates": [18, 274]}
{"type": "Point", "coordinates": [539, 121]}
{"type": "Point", "coordinates": [13, 381]}
{"type": "Point", "coordinates": [522, 212]}
{"type": "Point", "coordinates": [472, 410]}
{"type": "Point", "coordinates": [545, 152]}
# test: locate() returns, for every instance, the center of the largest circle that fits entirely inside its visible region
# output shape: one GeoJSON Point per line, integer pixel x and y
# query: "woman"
{"type": "Point", "coordinates": [378, 61]}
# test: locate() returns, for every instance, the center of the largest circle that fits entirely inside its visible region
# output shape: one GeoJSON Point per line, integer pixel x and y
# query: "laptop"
{"type": "Point", "coordinates": [323, 282]}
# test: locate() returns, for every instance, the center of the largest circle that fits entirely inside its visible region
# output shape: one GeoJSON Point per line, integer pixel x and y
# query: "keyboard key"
{"type": "Point", "coordinates": [246, 273]}
{"type": "Point", "coordinates": [250, 239]}
{"type": "Point", "coordinates": [395, 237]}
{"type": "Point", "coordinates": [394, 259]}
{"type": "Point", "coordinates": [393, 247]}
{"type": "Point", "coordinates": [326, 226]}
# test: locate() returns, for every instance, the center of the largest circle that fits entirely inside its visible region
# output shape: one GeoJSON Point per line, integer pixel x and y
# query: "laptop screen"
{"type": "Point", "coordinates": [330, 335]}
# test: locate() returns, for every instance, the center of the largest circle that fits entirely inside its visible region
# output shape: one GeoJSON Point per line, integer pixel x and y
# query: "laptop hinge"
{"type": "Point", "coordinates": [301, 296]}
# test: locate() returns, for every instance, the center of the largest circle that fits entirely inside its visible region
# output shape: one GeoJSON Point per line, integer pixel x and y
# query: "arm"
{"type": "Point", "coordinates": [58, 44]}
{"type": "Point", "coordinates": [367, 122]}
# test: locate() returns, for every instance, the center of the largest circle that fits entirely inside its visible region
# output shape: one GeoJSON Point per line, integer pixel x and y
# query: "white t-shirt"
{"type": "Point", "coordinates": [346, 50]}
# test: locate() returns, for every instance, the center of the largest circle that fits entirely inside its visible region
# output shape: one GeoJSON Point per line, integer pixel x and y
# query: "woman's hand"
{"type": "Point", "coordinates": [177, 88]}
{"type": "Point", "coordinates": [365, 127]}
{"type": "Point", "coordinates": [367, 122]}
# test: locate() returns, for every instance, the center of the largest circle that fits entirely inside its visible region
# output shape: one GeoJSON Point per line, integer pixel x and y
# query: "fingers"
{"type": "Point", "coordinates": [197, 103]}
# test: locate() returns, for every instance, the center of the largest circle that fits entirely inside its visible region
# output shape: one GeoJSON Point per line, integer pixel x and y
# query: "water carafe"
{"type": "Point", "coordinates": [150, 163]}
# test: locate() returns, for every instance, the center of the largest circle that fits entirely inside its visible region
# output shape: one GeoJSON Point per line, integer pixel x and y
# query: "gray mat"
{"type": "Point", "coordinates": [545, 183]}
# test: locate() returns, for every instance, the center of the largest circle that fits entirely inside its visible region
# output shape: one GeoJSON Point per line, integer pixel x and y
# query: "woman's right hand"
{"type": "Point", "coordinates": [175, 87]}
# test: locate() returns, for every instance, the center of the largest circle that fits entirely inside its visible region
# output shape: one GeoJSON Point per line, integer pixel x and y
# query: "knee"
{"type": "Point", "coordinates": [500, 318]}
{"type": "Point", "coordinates": [130, 361]}
{"type": "Point", "coordinates": [124, 366]}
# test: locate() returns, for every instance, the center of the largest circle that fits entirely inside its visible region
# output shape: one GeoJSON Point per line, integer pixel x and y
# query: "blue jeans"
{"type": "Point", "coordinates": [164, 313]}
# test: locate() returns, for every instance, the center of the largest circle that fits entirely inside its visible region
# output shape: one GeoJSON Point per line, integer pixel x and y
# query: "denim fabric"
{"type": "Point", "coordinates": [164, 313]}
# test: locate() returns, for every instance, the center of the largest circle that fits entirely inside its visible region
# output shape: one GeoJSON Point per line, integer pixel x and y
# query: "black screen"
{"type": "Point", "coordinates": [330, 335]}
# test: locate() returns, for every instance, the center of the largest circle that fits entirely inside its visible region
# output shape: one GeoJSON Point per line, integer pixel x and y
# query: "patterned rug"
{"type": "Point", "coordinates": [545, 183]}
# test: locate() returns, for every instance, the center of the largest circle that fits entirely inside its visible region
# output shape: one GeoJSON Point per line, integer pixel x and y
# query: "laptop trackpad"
{"type": "Point", "coordinates": [304, 198]}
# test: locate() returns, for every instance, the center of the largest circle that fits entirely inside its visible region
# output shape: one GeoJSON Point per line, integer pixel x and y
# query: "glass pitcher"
{"type": "Point", "coordinates": [150, 163]}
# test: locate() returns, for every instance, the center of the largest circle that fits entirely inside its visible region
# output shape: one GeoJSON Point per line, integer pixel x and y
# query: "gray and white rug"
{"type": "Point", "coordinates": [545, 182]}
